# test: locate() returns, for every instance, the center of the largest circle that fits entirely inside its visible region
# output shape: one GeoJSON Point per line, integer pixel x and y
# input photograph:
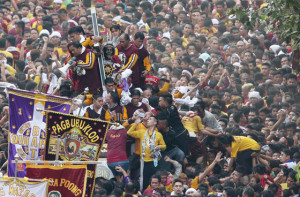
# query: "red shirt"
{"type": "Point", "coordinates": [116, 145]}
{"type": "Point", "coordinates": [148, 192]}
{"type": "Point", "coordinates": [263, 182]}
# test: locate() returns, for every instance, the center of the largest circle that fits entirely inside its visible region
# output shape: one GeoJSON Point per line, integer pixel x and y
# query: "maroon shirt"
{"type": "Point", "coordinates": [91, 78]}
{"type": "Point", "coordinates": [139, 67]}
{"type": "Point", "coordinates": [128, 56]}
{"type": "Point", "coordinates": [58, 28]}
{"type": "Point", "coordinates": [116, 145]}
{"type": "Point", "coordinates": [131, 109]}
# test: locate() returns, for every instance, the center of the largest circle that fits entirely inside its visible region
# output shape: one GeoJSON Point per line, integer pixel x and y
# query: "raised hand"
{"type": "Point", "coordinates": [218, 157]}
{"type": "Point", "coordinates": [46, 39]}
{"type": "Point", "coordinates": [23, 43]}
{"type": "Point", "coordinates": [137, 121]}
{"type": "Point", "coordinates": [53, 57]}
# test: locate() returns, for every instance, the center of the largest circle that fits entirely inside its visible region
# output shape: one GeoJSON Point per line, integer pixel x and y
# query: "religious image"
{"type": "Point", "coordinates": [74, 146]}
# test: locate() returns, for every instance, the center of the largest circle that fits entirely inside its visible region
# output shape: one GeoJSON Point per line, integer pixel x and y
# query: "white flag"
{"type": "Point", "coordinates": [20, 187]}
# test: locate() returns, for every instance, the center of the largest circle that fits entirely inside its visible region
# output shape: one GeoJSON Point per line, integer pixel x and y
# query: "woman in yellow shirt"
{"type": "Point", "coordinates": [240, 149]}
{"type": "Point", "coordinates": [152, 143]}
{"type": "Point", "coordinates": [39, 23]}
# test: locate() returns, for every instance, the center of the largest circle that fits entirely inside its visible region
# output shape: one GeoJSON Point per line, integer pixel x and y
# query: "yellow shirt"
{"type": "Point", "coordinates": [165, 88]}
{"type": "Point", "coordinates": [7, 54]}
{"type": "Point", "coordinates": [242, 143]}
{"type": "Point", "coordinates": [169, 187]}
{"type": "Point", "coordinates": [173, 55]}
{"type": "Point", "coordinates": [259, 66]}
{"type": "Point", "coordinates": [178, 95]}
{"type": "Point", "coordinates": [39, 28]}
{"type": "Point", "coordinates": [195, 183]}
{"type": "Point", "coordinates": [192, 123]}
{"type": "Point", "coordinates": [61, 52]}
{"type": "Point", "coordinates": [147, 27]}
{"type": "Point", "coordinates": [10, 69]}
{"type": "Point", "coordinates": [185, 41]}
{"type": "Point", "coordinates": [147, 64]}
{"type": "Point", "coordinates": [89, 99]}
{"type": "Point", "coordinates": [284, 186]}
{"type": "Point", "coordinates": [140, 134]}
{"type": "Point", "coordinates": [37, 79]}
{"type": "Point", "coordinates": [118, 117]}
{"type": "Point", "coordinates": [137, 141]}
{"type": "Point", "coordinates": [30, 16]}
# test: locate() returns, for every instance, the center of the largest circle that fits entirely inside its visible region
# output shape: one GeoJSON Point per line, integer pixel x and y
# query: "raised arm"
{"type": "Point", "coordinates": [177, 166]}
{"type": "Point", "coordinates": [282, 116]}
{"type": "Point", "coordinates": [23, 44]}
{"type": "Point", "coordinates": [210, 167]}
{"type": "Point", "coordinates": [208, 74]}
{"type": "Point", "coordinates": [44, 50]}
{"type": "Point", "coordinates": [3, 76]}
{"type": "Point", "coordinates": [13, 3]}
{"type": "Point", "coordinates": [132, 131]}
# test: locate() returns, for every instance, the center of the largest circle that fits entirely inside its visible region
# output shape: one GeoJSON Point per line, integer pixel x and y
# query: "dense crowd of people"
{"type": "Point", "coordinates": [204, 105]}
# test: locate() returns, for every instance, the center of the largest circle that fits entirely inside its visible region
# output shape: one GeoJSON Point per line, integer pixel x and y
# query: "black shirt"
{"type": "Point", "coordinates": [169, 138]}
{"type": "Point", "coordinates": [170, 113]}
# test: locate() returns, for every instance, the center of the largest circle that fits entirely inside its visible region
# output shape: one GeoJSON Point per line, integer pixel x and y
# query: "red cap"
{"type": "Point", "coordinates": [152, 80]}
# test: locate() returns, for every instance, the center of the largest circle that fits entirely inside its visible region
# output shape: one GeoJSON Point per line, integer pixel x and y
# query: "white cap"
{"type": "Point", "coordinates": [204, 56]}
{"type": "Point", "coordinates": [236, 64]}
{"type": "Point", "coordinates": [190, 190]}
{"type": "Point", "coordinates": [58, 1]}
{"type": "Point", "coordinates": [125, 22]}
{"type": "Point", "coordinates": [281, 53]}
{"type": "Point", "coordinates": [187, 73]}
{"type": "Point", "coordinates": [215, 21]}
{"type": "Point", "coordinates": [290, 165]}
{"type": "Point", "coordinates": [45, 31]}
{"type": "Point", "coordinates": [254, 94]}
{"type": "Point", "coordinates": [274, 48]}
{"type": "Point", "coordinates": [55, 33]}
{"type": "Point", "coordinates": [232, 16]}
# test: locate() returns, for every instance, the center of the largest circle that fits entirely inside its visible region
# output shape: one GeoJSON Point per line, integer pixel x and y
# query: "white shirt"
{"type": "Point", "coordinates": [210, 121]}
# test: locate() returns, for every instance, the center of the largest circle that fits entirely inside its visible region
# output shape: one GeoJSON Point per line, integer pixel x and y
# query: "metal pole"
{"type": "Point", "coordinates": [57, 147]}
{"type": "Point", "coordinates": [96, 33]}
{"type": "Point", "coordinates": [40, 180]}
{"type": "Point", "coordinates": [16, 165]}
{"type": "Point", "coordinates": [57, 162]}
{"type": "Point", "coordinates": [86, 91]}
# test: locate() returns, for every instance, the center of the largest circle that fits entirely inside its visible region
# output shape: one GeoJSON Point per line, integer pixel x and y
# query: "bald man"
{"type": "Point", "coordinates": [127, 52]}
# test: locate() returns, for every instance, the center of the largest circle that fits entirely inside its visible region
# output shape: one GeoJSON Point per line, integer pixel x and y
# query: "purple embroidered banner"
{"type": "Point", "coordinates": [27, 121]}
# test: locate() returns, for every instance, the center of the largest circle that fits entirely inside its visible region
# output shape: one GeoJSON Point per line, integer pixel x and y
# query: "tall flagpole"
{"type": "Point", "coordinates": [100, 58]}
